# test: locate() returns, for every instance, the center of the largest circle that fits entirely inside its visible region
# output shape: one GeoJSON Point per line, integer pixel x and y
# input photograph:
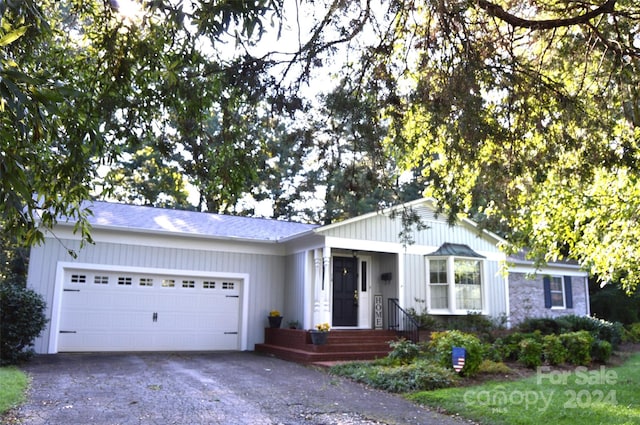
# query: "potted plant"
{"type": "Point", "coordinates": [320, 334]}
{"type": "Point", "coordinates": [275, 319]}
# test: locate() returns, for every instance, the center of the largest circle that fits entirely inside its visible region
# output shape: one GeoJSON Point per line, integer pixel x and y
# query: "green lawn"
{"type": "Point", "coordinates": [607, 395]}
{"type": "Point", "coordinates": [13, 384]}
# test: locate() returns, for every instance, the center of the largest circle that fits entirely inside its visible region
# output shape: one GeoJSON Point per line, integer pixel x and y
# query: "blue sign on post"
{"type": "Point", "coordinates": [458, 356]}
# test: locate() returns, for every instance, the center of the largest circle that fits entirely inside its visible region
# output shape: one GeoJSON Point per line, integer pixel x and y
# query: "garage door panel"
{"type": "Point", "coordinates": [148, 313]}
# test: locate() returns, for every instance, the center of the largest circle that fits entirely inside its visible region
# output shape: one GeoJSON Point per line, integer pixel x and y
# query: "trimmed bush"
{"type": "Point", "coordinates": [22, 320]}
{"type": "Point", "coordinates": [578, 345]}
{"type": "Point", "coordinates": [601, 351]}
{"type": "Point", "coordinates": [530, 353]}
{"type": "Point", "coordinates": [553, 352]}
{"type": "Point", "coordinates": [442, 344]}
{"type": "Point", "coordinates": [509, 346]}
{"type": "Point", "coordinates": [600, 329]}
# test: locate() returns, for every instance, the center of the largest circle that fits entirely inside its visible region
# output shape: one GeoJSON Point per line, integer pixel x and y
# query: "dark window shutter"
{"type": "Point", "coordinates": [568, 295]}
{"type": "Point", "coordinates": [546, 283]}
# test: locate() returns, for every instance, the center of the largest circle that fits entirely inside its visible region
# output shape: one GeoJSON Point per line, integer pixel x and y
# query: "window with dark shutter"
{"type": "Point", "coordinates": [557, 292]}
{"type": "Point", "coordinates": [568, 293]}
{"type": "Point", "coordinates": [546, 283]}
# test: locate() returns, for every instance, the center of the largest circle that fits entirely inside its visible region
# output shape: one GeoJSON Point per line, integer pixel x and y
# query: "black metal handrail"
{"type": "Point", "coordinates": [402, 322]}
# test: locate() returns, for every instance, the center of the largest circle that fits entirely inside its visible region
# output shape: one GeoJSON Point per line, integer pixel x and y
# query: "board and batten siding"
{"type": "Point", "coordinates": [415, 289]}
{"type": "Point", "coordinates": [266, 286]}
{"type": "Point", "coordinates": [296, 270]}
{"type": "Point", "coordinates": [383, 228]}
{"type": "Point", "coordinates": [495, 289]}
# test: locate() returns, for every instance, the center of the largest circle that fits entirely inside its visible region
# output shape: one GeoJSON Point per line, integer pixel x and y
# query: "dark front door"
{"type": "Point", "coordinates": [345, 291]}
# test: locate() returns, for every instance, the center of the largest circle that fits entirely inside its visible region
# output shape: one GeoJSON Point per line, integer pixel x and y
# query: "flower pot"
{"type": "Point", "coordinates": [319, 338]}
{"type": "Point", "coordinates": [275, 321]}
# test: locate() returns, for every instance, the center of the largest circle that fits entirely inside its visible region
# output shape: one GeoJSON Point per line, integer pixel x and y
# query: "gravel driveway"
{"type": "Point", "coordinates": [202, 388]}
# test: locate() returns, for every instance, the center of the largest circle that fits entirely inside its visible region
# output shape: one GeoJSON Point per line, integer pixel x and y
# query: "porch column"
{"type": "Point", "coordinates": [317, 289]}
{"type": "Point", "coordinates": [401, 282]}
{"type": "Point", "coordinates": [326, 287]}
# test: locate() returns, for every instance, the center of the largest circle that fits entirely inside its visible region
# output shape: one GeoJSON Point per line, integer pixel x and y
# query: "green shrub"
{"type": "Point", "coordinates": [473, 323]}
{"type": "Point", "coordinates": [633, 333]}
{"type": "Point", "coordinates": [403, 351]}
{"type": "Point", "coordinates": [578, 345]}
{"type": "Point", "coordinates": [493, 368]}
{"type": "Point", "coordinates": [601, 350]}
{"type": "Point", "coordinates": [509, 346]}
{"type": "Point", "coordinates": [22, 320]}
{"type": "Point", "coordinates": [553, 352]}
{"type": "Point", "coordinates": [506, 348]}
{"type": "Point", "coordinates": [530, 353]}
{"type": "Point", "coordinates": [600, 329]}
{"type": "Point", "coordinates": [484, 327]}
{"type": "Point", "coordinates": [495, 352]}
{"type": "Point", "coordinates": [442, 344]}
{"type": "Point", "coordinates": [421, 375]}
{"type": "Point", "coordinates": [424, 320]}
{"type": "Point", "coordinates": [545, 325]}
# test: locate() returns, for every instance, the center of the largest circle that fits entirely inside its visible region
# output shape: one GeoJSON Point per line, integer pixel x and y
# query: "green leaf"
{"type": "Point", "coordinates": [13, 35]}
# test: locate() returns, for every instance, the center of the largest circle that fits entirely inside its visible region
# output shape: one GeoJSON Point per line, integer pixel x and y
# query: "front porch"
{"type": "Point", "coordinates": [342, 345]}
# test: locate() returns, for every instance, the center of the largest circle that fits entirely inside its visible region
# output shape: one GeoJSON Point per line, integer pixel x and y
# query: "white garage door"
{"type": "Point", "coordinates": [110, 311]}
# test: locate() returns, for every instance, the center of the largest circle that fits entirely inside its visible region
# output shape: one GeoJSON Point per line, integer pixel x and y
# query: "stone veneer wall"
{"type": "Point", "coordinates": [526, 298]}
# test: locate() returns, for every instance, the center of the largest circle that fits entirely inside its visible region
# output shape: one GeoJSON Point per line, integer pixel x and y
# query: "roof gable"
{"type": "Point", "coordinates": [379, 226]}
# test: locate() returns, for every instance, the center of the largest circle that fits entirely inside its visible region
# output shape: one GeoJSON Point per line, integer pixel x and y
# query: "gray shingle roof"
{"type": "Point", "coordinates": [217, 226]}
{"type": "Point", "coordinates": [520, 257]}
{"type": "Point", "coordinates": [456, 250]}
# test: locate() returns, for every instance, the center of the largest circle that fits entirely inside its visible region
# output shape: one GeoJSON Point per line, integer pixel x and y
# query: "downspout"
{"type": "Point", "coordinates": [506, 300]}
{"type": "Point", "coordinates": [586, 295]}
{"type": "Point", "coordinates": [401, 282]}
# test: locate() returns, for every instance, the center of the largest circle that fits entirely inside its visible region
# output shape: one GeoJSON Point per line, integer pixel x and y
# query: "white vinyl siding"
{"type": "Point", "coordinates": [382, 228]}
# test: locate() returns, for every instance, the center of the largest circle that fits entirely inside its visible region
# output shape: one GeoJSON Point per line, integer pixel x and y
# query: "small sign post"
{"type": "Point", "coordinates": [377, 311]}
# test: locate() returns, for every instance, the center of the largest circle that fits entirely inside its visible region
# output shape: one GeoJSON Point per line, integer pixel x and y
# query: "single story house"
{"type": "Point", "coordinates": [160, 279]}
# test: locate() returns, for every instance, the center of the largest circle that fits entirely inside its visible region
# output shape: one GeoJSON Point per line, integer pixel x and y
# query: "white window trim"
{"type": "Point", "coordinates": [451, 294]}
{"type": "Point", "coordinates": [562, 290]}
